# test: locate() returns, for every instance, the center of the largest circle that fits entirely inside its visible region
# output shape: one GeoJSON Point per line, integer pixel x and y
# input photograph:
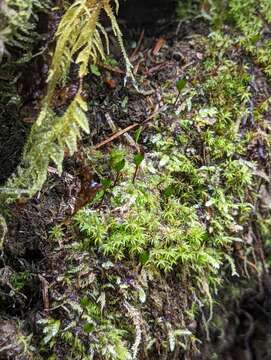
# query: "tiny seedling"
{"type": "Point", "coordinates": [138, 158]}
{"type": "Point", "coordinates": [117, 162]}
{"type": "Point", "coordinates": [180, 85]}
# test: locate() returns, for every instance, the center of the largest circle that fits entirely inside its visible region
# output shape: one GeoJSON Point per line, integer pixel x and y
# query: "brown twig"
{"type": "Point", "coordinates": [158, 67]}
{"type": "Point", "coordinates": [115, 136]}
{"type": "Point", "coordinates": [158, 46]}
{"type": "Point", "coordinates": [135, 174]}
{"type": "Point", "coordinates": [128, 128]}
{"type": "Point", "coordinates": [114, 128]}
{"type": "Point", "coordinates": [138, 45]}
{"type": "Point", "coordinates": [45, 293]}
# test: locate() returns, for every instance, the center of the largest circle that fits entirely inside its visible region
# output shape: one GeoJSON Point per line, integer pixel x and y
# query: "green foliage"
{"type": "Point", "coordinates": [56, 233]}
{"type": "Point", "coordinates": [19, 280]}
{"type": "Point", "coordinates": [194, 198]}
{"type": "Point", "coordinates": [117, 160]}
{"type": "Point", "coordinates": [78, 38]}
{"type": "Point", "coordinates": [47, 141]}
{"type": "Point", "coordinates": [138, 158]}
{"type": "Point", "coordinates": [17, 22]}
{"type": "Point", "coordinates": [165, 224]}
{"type": "Point", "coordinates": [250, 18]}
{"type": "Point", "coordinates": [180, 84]}
{"type": "Point", "coordinates": [103, 337]}
{"type": "Point", "coordinates": [50, 330]}
{"type": "Point", "coordinates": [237, 175]}
{"type": "Point", "coordinates": [3, 231]}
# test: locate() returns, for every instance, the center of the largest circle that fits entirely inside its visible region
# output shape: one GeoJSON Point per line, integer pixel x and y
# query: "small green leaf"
{"type": "Point", "coordinates": [180, 84]}
{"type": "Point", "coordinates": [51, 330]}
{"type": "Point", "coordinates": [106, 183]}
{"type": "Point", "coordinates": [185, 123]}
{"type": "Point", "coordinates": [88, 328]}
{"type": "Point", "coordinates": [111, 61]}
{"type": "Point", "coordinates": [144, 257]}
{"type": "Point", "coordinates": [94, 69]}
{"type": "Point", "coordinates": [117, 157]}
{"type": "Point", "coordinates": [138, 158]}
{"type": "Point", "coordinates": [119, 165]}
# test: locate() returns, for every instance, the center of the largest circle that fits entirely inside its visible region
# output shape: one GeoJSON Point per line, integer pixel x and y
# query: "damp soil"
{"type": "Point", "coordinates": [244, 331]}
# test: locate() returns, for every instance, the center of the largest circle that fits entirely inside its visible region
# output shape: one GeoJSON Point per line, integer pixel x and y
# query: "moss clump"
{"type": "Point", "coordinates": [184, 206]}
{"type": "Point", "coordinates": [251, 19]}
{"type": "Point", "coordinates": [188, 210]}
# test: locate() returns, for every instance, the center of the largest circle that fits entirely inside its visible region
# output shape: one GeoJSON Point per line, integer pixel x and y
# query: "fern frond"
{"type": "Point", "coordinates": [117, 32]}
{"type": "Point", "coordinates": [47, 142]}
{"type": "Point", "coordinates": [17, 22]}
{"type": "Point", "coordinates": [79, 40]}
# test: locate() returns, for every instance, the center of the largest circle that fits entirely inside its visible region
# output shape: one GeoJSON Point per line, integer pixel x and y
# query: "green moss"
{"type": "Point", "coordinates": [250, 18]}
{"type": "Point", "coordinates": [183, 218]}
{"type": "Point", "coordinates": [18, 21]}
{"type": "Point", "coordinates": [185, 211]}
{"type": "Point", "coordinates": [19, 280]}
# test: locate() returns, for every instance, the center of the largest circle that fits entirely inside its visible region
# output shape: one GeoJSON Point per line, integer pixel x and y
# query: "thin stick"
{"type": "Point", "coordinates": [138, 45]}
{"type": "Point", "coordinates": [45, 294]}
{"type": "Point", "coordinates": [114, 128]}
{"type": "Point", "coordinates": [128, 128]}
{"type": "Point", "coordinates": [115, 136]}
